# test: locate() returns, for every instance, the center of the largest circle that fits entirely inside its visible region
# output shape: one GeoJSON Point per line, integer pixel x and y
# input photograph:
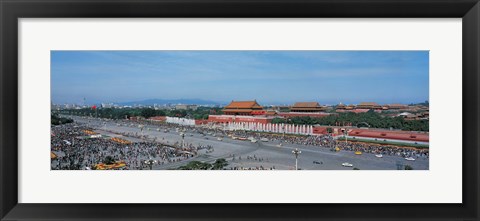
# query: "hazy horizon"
{"type": "Point", "coordinates": [270, 77]}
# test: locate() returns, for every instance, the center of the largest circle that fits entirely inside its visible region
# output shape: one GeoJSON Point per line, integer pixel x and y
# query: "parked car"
{"type": "Point", "coordinates": [347, 164]}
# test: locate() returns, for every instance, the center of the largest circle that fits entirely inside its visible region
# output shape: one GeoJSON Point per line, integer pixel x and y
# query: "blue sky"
{"type": "Point", "coordinates": [270, 77]}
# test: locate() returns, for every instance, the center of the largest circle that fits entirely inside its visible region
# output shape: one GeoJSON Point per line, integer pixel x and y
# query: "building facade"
{"type": "Point", "coordinates": [245, 108]}
{"type": "Point", "coordinates": [307, 107]}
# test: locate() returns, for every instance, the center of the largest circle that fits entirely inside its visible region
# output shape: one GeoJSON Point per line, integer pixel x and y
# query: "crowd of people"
{"type": "Point", "coordinates": [383, 149]}
{"type": "Point", "coordinates": [249, 158]}
{"type": "Point", "coordinates": [75, 149]}
{"type": "Point", "coordinates": [326, 140]}
{"type": "Point", "coordinates": [261, 167]}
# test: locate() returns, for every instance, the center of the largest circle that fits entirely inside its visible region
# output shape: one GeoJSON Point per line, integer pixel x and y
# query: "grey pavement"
{"type": "Point", "coordinates": [271, 153]}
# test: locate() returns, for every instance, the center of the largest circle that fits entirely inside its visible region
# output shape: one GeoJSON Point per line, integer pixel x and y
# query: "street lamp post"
{"type": "Point", "coordinates": [233, 122]}
{"type": "Point", "coordinates": [345, 133]}
{"type": "Point", "coordinates": [150, 163]}
{"type": "Point", "coordinates": [296, 152]}
{"type": "Point", "coordinates": [183, 140]}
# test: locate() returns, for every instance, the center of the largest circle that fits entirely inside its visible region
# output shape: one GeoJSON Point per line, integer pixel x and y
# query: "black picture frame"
{"type": "Point", "coordinates": [12, 10]}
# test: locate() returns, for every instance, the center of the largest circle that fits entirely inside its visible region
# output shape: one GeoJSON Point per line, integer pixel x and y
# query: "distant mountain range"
{"type": "Point", "coordinates": [168, 101]}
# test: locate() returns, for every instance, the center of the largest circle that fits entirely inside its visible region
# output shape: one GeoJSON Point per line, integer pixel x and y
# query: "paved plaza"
{"type": "Point", "coordinates": [246, 154]}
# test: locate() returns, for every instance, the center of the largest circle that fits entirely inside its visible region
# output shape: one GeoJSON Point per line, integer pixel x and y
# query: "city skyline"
{"type": "Point", "coordinates": [143, 104]}
{"type": "Point", "coordinates": [270, 77]}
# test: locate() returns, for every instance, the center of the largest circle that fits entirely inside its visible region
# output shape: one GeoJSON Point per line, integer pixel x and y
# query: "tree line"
{"type": "Point", "coordinates": [56, 120]}
{"type": "Point", "coordinates": [197, 165]}
{"type": "Point", "coordinates": [368, 119]}
{"type": "Point", "coordinates": [125, 113]}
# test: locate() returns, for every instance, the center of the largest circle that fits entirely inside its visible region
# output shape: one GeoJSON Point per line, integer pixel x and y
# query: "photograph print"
{"type": "Point", "coordinates": [239, 110]}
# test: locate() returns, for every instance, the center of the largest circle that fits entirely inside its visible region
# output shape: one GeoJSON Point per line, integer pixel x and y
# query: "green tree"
{"type": "Point", "coordinates": [148, 112]}
{"type": "Point", "coordinates": [56, 120]}
{"type": "Point", "coordinates": [160, 113]}
{"type": "Point", "coordinates": [109, 160]}
{"type": "Point", "coordinates": [219, 164]}
{"type": "Point", "coordinates": [196, 165]}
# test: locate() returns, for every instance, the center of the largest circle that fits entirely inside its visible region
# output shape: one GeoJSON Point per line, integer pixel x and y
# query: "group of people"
{"type": "Point", "coordinates": [249, 158]}
{"type": "Point", "coordinates": [326, 140]}
{"type": "Point", "coordinates": [261, 167]}
{"type": "Point", "coordinates": [383, 149]}
{"type": "Point", "coordinates": [75, 149]}
{"type": "Point", "coordinates": [75, 153]}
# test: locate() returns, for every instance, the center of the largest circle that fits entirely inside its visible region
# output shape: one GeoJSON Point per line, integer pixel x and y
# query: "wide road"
{"type": "Point", "coordinates": [267, 154]}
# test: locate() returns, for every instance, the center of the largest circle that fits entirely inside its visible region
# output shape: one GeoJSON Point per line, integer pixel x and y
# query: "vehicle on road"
{"type": "Point", "coordinates": [219, 139]}
{"type": "Point", "coordinates": [347, 164]}
{"type": "Point", "coordinates": [264, 140]}
{"type": "Point", "coordinates": [317, 162]}
{"type": "Point", "coordinates": [253, 141]}
{"type": "Point", "coordinates": [410, 159]}
{"type": "Point", "coordinates": [378, 155]}
{"type": "Point", "coordinates": [358, 153]}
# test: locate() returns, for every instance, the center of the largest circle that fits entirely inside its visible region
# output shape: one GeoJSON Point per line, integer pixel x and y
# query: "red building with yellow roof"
{"type": "Point", "coordinates": [307, 107]}
{"type": "Point", "coordinates": [369, 105]}
{"type": "Point", "coordinates": [243, 108]}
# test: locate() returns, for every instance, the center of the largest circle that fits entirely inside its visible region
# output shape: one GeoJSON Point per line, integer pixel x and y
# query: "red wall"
{"type": "Point", "coordinates": [387, 134]}
{"type": "Point", "coordinates": [226, 119]}
{"type": "Point", "coordinates": [158, 118]}
{"type": "Point", "coordinates": [293, 114]}
{"type": "Point", "coordinates": [319, 130]}
{"type": "Point", "coordinates": [198, 122]}
{"type": "Point", "coordinates": [380, 134]}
